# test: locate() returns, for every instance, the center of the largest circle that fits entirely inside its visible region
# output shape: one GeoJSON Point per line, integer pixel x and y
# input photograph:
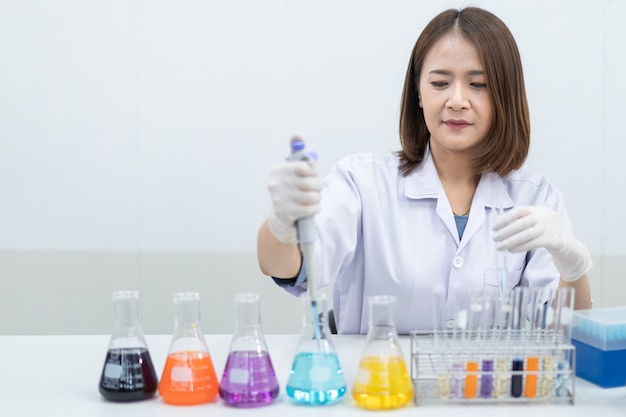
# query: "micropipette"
{"type": "Point", "coordinates": [306, 235]}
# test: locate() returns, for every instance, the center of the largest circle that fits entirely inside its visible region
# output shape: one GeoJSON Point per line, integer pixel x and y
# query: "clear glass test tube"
{"type": "Point", "coordinates": [502, 271]}
{"type": "Point", "coordinates": [441, 346]}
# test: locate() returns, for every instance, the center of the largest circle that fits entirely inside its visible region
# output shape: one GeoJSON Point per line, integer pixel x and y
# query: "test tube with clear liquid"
{"type": "Point", "coordinates": [128, 373]}
{"type": "Point", "coordinates": [502, 340]}
{"type": "Point", "coordinates": [441, 345]}
{"type": "Point", "coordinates": [249, 379]}
{"type": "Point", "coordinates": [545, 320]}
{"type": "Point", "coordinates": [382, 380]}
{"type": "Point", "coordinates": [502, 271]}
{"type": "Point", "coordinates": [316, 377]}
{"type": "Point", "coordinates": [564, 309]}
{"type": "Point", "coordinates": [459, 355]}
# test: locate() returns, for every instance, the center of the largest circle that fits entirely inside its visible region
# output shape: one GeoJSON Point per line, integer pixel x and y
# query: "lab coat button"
{"type": "Point", "coordinates": [457, 262]}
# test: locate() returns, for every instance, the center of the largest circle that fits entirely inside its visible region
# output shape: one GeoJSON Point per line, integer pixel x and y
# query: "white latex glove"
{"type": "Point", "coordinates": [295, 193]}
{"type": "Point", "coordinates": [525, 228]}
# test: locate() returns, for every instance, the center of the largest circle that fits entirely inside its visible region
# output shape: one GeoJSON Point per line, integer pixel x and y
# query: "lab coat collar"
{"type": "Point", "coordinates": [491, 191]}
{"type": "Point", "coordinates": [424, 183]}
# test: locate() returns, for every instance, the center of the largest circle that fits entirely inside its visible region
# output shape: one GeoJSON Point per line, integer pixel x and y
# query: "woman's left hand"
{"type": "Point", "coordinates": [524, 228]}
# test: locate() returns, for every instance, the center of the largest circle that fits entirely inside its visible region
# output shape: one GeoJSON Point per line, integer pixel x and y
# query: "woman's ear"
{"type": "Point", "coordinates": [419, 100]}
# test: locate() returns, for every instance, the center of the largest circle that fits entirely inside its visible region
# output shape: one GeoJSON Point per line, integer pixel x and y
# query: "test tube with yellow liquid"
{"type": "Point", "coordinates": [382, 381]}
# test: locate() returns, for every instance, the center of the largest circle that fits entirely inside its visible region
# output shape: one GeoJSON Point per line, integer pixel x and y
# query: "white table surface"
{"type": "Point", "coordinates": [59, 376]}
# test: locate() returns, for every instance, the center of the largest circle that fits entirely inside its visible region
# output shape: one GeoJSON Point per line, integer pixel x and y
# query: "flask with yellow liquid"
{"type": "Point", "coordinates": [382, 381]}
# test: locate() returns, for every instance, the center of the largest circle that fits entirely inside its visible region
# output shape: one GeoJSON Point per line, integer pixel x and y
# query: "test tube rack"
{"type": "Point", "coordinates": [492, 368]}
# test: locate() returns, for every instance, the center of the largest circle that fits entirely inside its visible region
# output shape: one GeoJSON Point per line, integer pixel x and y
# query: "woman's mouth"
{"type": "Point", "coordinates": [456, 124]}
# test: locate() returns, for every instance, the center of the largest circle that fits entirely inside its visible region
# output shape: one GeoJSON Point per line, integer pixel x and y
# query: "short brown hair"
{"type": "Point", "coordinates": [506, 146]}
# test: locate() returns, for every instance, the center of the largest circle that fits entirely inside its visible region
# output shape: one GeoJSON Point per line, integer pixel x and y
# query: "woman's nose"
{"type": "Point", "coordinates": [458, 99]}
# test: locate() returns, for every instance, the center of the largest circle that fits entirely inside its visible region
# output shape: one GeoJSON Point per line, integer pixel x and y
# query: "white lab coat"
{"type": "Point", "coordinates": [382, 233]}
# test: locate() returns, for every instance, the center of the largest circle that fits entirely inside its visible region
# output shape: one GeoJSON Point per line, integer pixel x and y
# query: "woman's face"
{"type": "Point", "coordinates": [454, 95]}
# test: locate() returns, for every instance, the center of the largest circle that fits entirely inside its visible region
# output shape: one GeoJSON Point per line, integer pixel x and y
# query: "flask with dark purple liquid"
{"type": "Point", "coordinates": [128, 373]}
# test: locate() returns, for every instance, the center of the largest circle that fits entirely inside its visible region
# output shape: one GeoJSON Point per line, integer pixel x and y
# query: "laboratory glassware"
{"type": "Point", "coordinates": [532, 339]}
{"type": "Point", "coordinates": [518, 318]}
{"type": "Point", "coordinates": [128, 373]}
{"type": "Point", "coordinates": [471, 341]}
{"type": "Point", "coordinates": [188, 375]}
{"type": "Point", "coordinates": [441, 345]}
{"type": "Point", "coordinates": [564, 314]}
{"type": "Point", "coordinates": [382, 380]}
{"type": "Point", "coordinates": [502, 270]}
{"type": "Point", "coordinates": [486, 337]}
{"type": "Point", "coordinates": [520, 345]}
{"type": "Point", "coordinates": [545, 322]}
{"type": "Point", "coordinates": [249, 378]}
{"type": "Point", "coordinates": [316, 376]}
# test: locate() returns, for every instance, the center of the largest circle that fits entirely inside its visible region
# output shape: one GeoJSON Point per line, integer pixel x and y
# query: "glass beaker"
{"type": "Point", "coordinates": [188, 375]}
{"type": "Point", "coordinates": [128, 373]}
{"type": "Point", "coordinates": [382, 380]}
{"type": "Point", "coordinates": [316, 376]}
{"type": "Point", "coordinates": [248, 379]}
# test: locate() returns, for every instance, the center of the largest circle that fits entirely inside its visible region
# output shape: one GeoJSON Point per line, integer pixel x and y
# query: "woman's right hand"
{"type": "Point", "coordinates": [294, 189]}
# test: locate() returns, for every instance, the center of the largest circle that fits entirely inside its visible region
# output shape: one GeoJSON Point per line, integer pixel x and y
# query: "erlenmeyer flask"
{"type": "Point", "coordinates": [249, 379]}
{"type": "Point", "coordinates": [382, 380]}
{"type": "Point", "coordinates": [188, 376]}
{"type": "Point", "coordinates": [128, 373]}
{"type": "Point", "coordinates": [316, 376]}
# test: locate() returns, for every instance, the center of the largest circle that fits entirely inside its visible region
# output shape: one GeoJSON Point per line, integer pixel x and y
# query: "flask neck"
{"type": "Point", "coordinates": [315, 311]}
{"type": "Point", "coordinates": [187, 335]}
{"type": "Point", "coordinates": [247, 312]}
{"type": "Point", "coordinates": [382, 333]}
{"type": "Point", "coordinates": [127, 328]}
{"type": "Point", "coordinates": [315, 321]}
{"type": "Point", "coordinates": [248, 335]}
{"type": "Point", "coordinates": [126, 311]}
{"type": "Point", "coordinates": [382, 322]}
{"type": "Point", "coordinates": [187, 315]}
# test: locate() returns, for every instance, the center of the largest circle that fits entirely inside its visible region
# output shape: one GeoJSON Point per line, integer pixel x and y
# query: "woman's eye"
{"type": "Point", "coordinates": [438, 84]}
{"type": "Point", "coordinates": [479, 85]}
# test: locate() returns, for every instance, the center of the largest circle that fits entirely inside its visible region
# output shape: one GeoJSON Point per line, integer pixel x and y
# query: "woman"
{"type": "Point", "coordinates": [420, 221]}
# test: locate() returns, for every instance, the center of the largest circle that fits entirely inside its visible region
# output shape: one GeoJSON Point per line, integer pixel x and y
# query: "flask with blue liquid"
{"type": "Point", "coordinates": [316, 377]}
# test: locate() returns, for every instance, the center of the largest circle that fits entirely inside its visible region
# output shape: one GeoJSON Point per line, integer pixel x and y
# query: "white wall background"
{"type": "Point", "coordinates": [136, 137]}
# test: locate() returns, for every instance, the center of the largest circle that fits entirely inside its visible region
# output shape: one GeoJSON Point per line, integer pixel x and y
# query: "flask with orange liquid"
{"type": "Point", "coordinates": [188, 376]}
{"type": "Point", "coordinates": [382, 380]}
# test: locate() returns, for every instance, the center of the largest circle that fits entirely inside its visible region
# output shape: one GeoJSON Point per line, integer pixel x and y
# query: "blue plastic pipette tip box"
{"type": "Point", "coordinates": [599, 336]}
